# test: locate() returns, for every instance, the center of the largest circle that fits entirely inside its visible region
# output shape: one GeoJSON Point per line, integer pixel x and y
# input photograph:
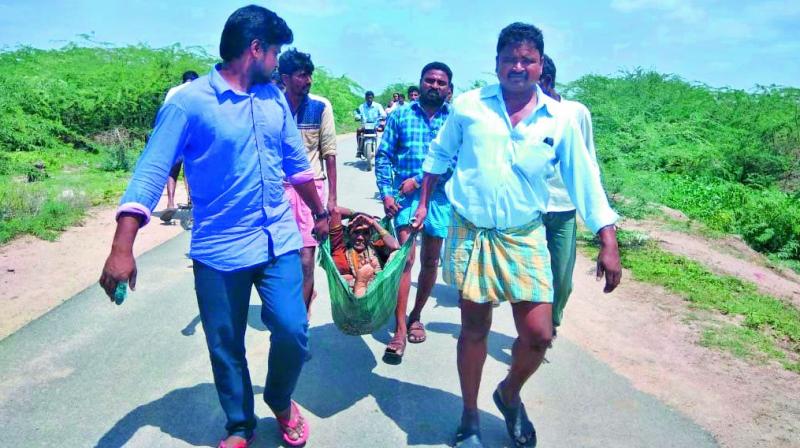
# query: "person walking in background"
{"type": "Point", "coordinates": [314, 117]}
{"type": "Point", "coordinates": [413, 94]}
{"type": "Point", "coordinates": [175, 171]}
{"type": "Point", "coordinates": [401, 101]}
{"type": "Point", "coordinates": [398, 172]}
{"type": "Point", "coordinates": [239, 142]}
{"type": "Point", "coordinates": [559, 221]}
{"type": "Point", "coordinates": [508, 138]}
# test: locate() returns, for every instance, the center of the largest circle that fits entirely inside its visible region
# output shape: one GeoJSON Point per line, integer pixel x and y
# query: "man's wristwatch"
{"type": "Point", "coordinates": [324, 215]}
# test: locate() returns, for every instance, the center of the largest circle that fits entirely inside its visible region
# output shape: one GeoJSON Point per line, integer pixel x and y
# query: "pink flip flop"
{"type": "Point", "coordinates": [291, 424]}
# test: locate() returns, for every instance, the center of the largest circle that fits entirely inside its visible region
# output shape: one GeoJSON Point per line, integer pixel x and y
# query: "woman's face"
{"type": "Point", "coordinates": [360, 238]}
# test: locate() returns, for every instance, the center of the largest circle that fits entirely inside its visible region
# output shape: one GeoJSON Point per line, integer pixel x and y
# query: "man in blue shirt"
{"type": "Point", "coordinates": [398, 171]}
{"type": "Point", "coordinates": [508, 140]}
{"type": "Point", "coordinates": [238, 141]}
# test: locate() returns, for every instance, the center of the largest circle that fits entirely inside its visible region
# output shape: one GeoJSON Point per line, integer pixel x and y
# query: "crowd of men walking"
{"type": "Point", "coordinates": [490, 182]}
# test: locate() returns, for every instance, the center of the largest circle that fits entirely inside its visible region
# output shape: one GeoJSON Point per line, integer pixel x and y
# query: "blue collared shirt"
{"type": "Point", "coordinates": [500, 177]}
{"type": "Point", "coordinates": [370, 114]}
{"type": "Point", "coordinates": [237, 148]}
{"type": "Point", "coordinates": [404, 144]}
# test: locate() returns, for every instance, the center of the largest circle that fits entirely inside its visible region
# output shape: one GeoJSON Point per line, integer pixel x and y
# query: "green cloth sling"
{"type": "Point", "coordinates": [369, 313]}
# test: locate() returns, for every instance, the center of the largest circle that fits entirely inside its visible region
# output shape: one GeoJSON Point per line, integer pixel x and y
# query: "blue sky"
{"type": "Point", "coordinates": [720, 43]}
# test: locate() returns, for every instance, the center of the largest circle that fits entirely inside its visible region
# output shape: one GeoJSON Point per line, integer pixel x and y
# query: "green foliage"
{"type": "Point", "coordinates": [344, 95]}
{"type": "Point", "coordinates": [727, 158]}
{"type": "Point", "coordinates": [85, 112]}
{"type": "Point", "coordinates": [742, 342]}
{"type": "Point", "coordinates": [385, 96]}
{"type": "Point", "coordinates": [52, 99]}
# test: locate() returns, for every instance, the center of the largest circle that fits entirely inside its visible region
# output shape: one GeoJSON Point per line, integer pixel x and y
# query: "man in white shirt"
{"type": "Point", "coordinates": [507, 140]}
{"type": "Point", "coordinates": [175, 171]}
{"type": "Point", "coordinates": [559, 221]}
{"type": "Point", "coordinates": [368, 112]}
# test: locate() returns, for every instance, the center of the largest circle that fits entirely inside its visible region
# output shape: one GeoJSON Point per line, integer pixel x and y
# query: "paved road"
{"type": "Point", "coordinates": [93, 374]}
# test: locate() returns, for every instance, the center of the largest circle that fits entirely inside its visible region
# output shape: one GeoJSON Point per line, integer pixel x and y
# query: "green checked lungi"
{"type": "Point", "coordinates": [492, 265]}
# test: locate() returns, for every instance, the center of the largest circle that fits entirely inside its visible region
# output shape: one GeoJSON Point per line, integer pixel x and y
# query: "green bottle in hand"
{"type": "Point", "coordinates": [121, 292]}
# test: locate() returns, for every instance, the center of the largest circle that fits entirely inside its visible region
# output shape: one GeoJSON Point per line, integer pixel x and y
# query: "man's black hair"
{"type": "Point", "coordinates": [549, 68]}
{"type": "Point", "coordinates": [400, 95]}
{"type": "Point", "coordinates": [251, 23]}
{"type": "Point", "coordinates": [369, 93]}
{"type": "Point", "coordinates": [189, 75]}
{"type": "Point", "coordinates": [517, 33]}
{"type": "Point", "coordinates": [437, 66]}
{"type": "Point", "coordinates": [412, 89]}
{"type": "Point", "coordinates": [293, 60]}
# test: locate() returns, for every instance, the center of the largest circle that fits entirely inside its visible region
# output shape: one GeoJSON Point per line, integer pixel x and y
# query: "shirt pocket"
{"type": "Point", "coordinates": [271, 168]}
{"type": "Point", "coordinates": [535, 163]}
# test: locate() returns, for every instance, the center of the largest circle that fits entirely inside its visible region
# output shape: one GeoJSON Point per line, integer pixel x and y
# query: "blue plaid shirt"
{"type": "Point", "coordinates": [403, 147]}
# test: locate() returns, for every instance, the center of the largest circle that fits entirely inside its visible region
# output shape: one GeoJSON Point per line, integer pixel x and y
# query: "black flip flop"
{"type": "Point", "coordinates": [518, 425]}
{"type": "Point", "coordinates": [168, 214]}
{"type": "Point", "coordinates": [394, 357]}
{"type": "Point", "coordinates": [468, 437]}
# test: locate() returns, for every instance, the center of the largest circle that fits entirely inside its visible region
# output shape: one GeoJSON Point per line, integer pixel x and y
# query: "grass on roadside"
{"type": "Point", "coordinates": [47, 207]}
{"type": "Point", "coordinates": [769, 328]}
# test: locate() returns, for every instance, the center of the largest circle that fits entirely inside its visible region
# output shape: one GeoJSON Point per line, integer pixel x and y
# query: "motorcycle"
{"type": "Point", "coordinates": [368, 143]}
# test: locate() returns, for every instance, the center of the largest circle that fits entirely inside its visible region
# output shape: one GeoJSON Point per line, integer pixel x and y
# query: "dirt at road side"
{"type": "Point", "coordinates": [645, 334]}
{"type": "Point", "coordinates": [37, 275]}
{"type": "Point", "coordinates": [728, 255]}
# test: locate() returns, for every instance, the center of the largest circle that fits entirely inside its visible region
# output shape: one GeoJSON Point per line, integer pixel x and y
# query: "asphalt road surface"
{"type": "Point", "coordinates": [94, 374]}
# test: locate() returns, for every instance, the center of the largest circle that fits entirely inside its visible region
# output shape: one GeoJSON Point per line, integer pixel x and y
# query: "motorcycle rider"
{"type": "Point", "coordinates": [368, 112]}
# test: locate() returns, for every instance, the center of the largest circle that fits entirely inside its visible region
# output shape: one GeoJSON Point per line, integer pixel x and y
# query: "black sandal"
{"type": "Point", "coordinates": [395, 350]}
{"type": "Point", "coordinates": [468, 437]}
{"type": "Point", "coordinates": [519, 427]}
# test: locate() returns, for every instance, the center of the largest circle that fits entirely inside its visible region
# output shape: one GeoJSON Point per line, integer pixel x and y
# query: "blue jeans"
{"type": "Point", "coordinates": [223, 299]}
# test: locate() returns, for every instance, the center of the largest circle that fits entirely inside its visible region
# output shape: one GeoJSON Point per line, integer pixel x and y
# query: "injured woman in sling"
{"type": "Point", "coordinates": [360, 249]}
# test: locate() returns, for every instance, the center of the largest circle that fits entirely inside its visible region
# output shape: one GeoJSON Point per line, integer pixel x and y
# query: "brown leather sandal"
{"type": "Point", "coordinates": [416, 333]}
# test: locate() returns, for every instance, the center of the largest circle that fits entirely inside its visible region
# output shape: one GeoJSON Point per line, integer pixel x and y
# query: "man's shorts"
{"type": "Point", "coordinates": [438, 219]}
{"type": "Point", "coordinates": [302, 213]}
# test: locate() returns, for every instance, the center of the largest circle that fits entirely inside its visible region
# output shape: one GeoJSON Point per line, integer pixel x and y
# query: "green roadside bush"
{"type": "Point", "coordinates": [727, 158]}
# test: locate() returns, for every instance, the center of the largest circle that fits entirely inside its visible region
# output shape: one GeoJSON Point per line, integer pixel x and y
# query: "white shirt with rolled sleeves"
{"type": "Point", "coordinates": [559, 197]}
{"type": "Point", "coordinates": [500, 177]}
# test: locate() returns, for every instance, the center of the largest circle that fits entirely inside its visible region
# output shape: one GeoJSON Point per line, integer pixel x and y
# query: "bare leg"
{"type": "Point", "coordinates": [188, 192]}
{"type": "Point", "coordinates": [534, 322]}
{"type": "Point", "coordinates": [405, 285]}
{"type": "Point", "coordinates": [307, 260]}
{"type": "Point", "coordinates": [429, 257]}
{"type": "Point", "coordinates": [476, 321]}
{"type": "Point", "coordinates": [171, 184]}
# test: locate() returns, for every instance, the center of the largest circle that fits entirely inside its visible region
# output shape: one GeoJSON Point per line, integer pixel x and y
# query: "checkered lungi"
{"type": "Point", "coordinates": [491, 265]}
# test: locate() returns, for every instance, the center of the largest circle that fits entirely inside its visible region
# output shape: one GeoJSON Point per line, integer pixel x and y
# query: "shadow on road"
{"type": "Point", "coordinates": [340, 375]}
{"type": "Point", "coordinates": [445, 296]}
{"type": "Point", "coordinates": [253, 321]}
{"type": "Point", "coordinates": [360, 164]}
{"type": "Point", "coordinates": [191, 414]}
{"type": "Point", "coordinates": [499, 345]}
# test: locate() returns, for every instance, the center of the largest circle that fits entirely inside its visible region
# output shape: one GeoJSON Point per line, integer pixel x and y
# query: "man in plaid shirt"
{"type": "Point", "coordinates": [398, 170]}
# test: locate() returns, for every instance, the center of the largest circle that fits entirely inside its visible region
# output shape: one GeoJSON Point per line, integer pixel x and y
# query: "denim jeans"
{"type": "Point", "coordinates": [223, 299]}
